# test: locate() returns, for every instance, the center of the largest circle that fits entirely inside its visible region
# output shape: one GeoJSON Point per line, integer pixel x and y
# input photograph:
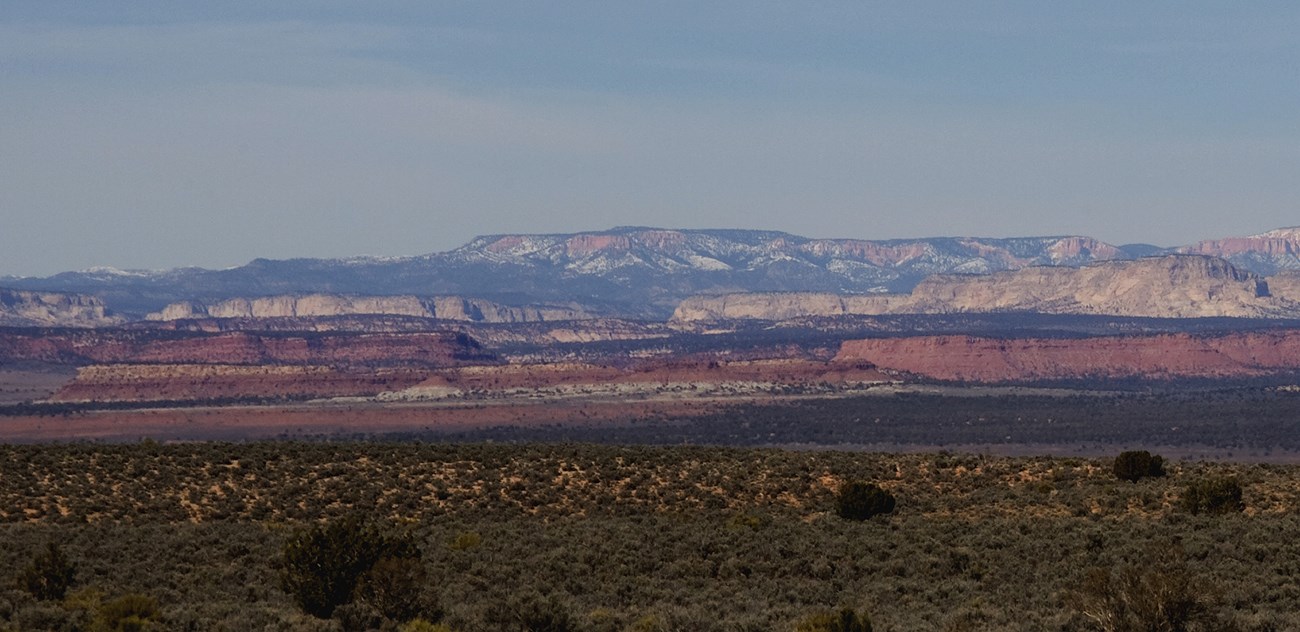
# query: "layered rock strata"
{"type": "Point", "coordinates": [968, 358]}
{"type": "Point", "coordinates": [1175, 286]}
{"type": "Point", "coordinates": [118, 346]}
{"type": "Point", "coordinates": [198, 382]}
{"type": "Point", "coordinates": [330, 305]}
{"type": "Point", "coordinates": [20, 308]}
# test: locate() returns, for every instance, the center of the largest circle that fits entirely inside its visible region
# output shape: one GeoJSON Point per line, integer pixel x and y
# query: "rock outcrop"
{"type": "Point", "coordinates": [328, 305]}
{"type": "Point", "coordinates": [968, 358]}
{"type": "Point", "coordinates": [1173, 286]}
{"type": "Point", "coordinates": [1157, 287]}
{"type": "Point", "coordinates": [785, 306]}
{"type": "Point", "coordinates": [1285, 286]}
{"type": "Point", "coordinates": [20, 308]}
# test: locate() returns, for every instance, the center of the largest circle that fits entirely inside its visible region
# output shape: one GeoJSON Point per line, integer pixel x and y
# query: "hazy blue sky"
{"type": "Point", "coordinates": [158, 134]}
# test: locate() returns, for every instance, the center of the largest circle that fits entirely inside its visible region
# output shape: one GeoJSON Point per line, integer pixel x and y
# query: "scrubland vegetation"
{"type": "Point", "coordinates": [592, 538]}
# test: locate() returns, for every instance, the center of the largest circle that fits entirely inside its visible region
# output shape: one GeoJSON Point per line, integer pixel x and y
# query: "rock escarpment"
{"type": "Point", "coordinates": [969, 358]}
{"type": "Point", "coordinates": [783, 306]}
{"type": "Point", "coordinates": [1285, 286]}
{"type": "Point", "coordinates": [1174, 286]}
{"type": "Point", "coordinates": [327, 305]}
{"type": "Point", "coordinates": [1268, 253]}
{"type": "Point", "coordinates": [20, 308]}
{"type": "Point", "coordinates": [196, 382]}
{"type": "Point", "coordinates": [1157, 287]}
{"type": "Point", "coordinates": [112, 346]}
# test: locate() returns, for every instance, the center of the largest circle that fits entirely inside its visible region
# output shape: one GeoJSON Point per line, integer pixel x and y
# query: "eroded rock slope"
{"type": "Point", "coordinates": [1172, 286]}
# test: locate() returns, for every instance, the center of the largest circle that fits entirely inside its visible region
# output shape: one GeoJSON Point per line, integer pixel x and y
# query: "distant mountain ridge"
{"type": "Point", "coordinates": [637, 271]}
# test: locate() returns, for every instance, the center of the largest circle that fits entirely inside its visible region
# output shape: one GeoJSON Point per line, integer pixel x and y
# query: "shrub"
{"type": "Point", "coordinates": [1135, 465]}
{"type": "Point", "coordinates": [128, 613]}
{"type": "Point", "coordinates": [393, 587]}
{"type": "Point", "coordinates": [323, 565]}
{"type": "Point", "coordinates": [859, 501]}
{"type": "Point", "coordinates": [1139, 598]}
{"type": "Point", "coordinates": [751, 521]}
{"type": "Point", "coordinates": [465, 541]}
{"type": "Point", "coordinates": [846, 620]}
{"type": "Point", "coordinates": [49, 575]}
{"type": "Point", "coordinates": [421, 625]}
{"type": "Point", "coordinates": [531, 612]}
{"type": "Point", "coordinates": [1214, 496]}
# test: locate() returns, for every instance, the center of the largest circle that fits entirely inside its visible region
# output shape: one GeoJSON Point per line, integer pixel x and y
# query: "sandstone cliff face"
{"type": "Point", "coordinates": [316, 305]}
{"type": "Point", "coordinates": [1280, 242]}
{"type": "Point", "coordinates": [480, 311]}
{"type": "Point", "coordinates": [1163, 287]}
{"type": "Point", "coordinates": [1176, 286]}
{"type": "Point", "coordinates": [783, 306]}
{"type": "Point", "coordinates": [977, 359]}
{"type": "Point", "coordinates": [322, 305]}
{"type": "Point", "coordinates": [43, 309]}
{"type": "Point", "coordinates": [1285, 286]}
{"type": "Point", "coordinates": [1269, 253]}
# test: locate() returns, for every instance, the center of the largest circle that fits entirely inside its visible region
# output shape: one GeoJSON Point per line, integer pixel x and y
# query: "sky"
{"type": "Point", "coordinates": [159, 134]}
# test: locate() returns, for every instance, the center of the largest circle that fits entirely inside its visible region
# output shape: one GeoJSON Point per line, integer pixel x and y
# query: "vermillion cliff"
{"type": "Point", "coordinates": [1174, 286]}
{"type": "Point", "coordinates": [155, 382]}
{"type": "Point", "coordinates": [133, 347]}
{"type": "Point", "coordinates": [969, 358]}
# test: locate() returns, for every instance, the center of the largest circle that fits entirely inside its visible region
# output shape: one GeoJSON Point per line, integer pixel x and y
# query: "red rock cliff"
{"type": "Point", "coordinates": [117, 346]}
{"type": "Point", "coordinates": [1160, 356]}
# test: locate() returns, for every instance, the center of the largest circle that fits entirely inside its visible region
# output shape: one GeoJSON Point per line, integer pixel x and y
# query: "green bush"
{"type": "Point", "coordinates": [1135, 465]}
{"type": "Point", "coordinates": [49, 575]}
{"type": "Point", "coordinates": [846, 620]}
{"type": "Point", "coordinates": [1215, 496]}
{"type": "Point", "coordinates": [323, 565]}
{"type": "Point", "coordinates": [860, 501]}
{"type": "Point", "coordinates": [465, 541]}
{"type": "Point", "coordinates": [128, 613]}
